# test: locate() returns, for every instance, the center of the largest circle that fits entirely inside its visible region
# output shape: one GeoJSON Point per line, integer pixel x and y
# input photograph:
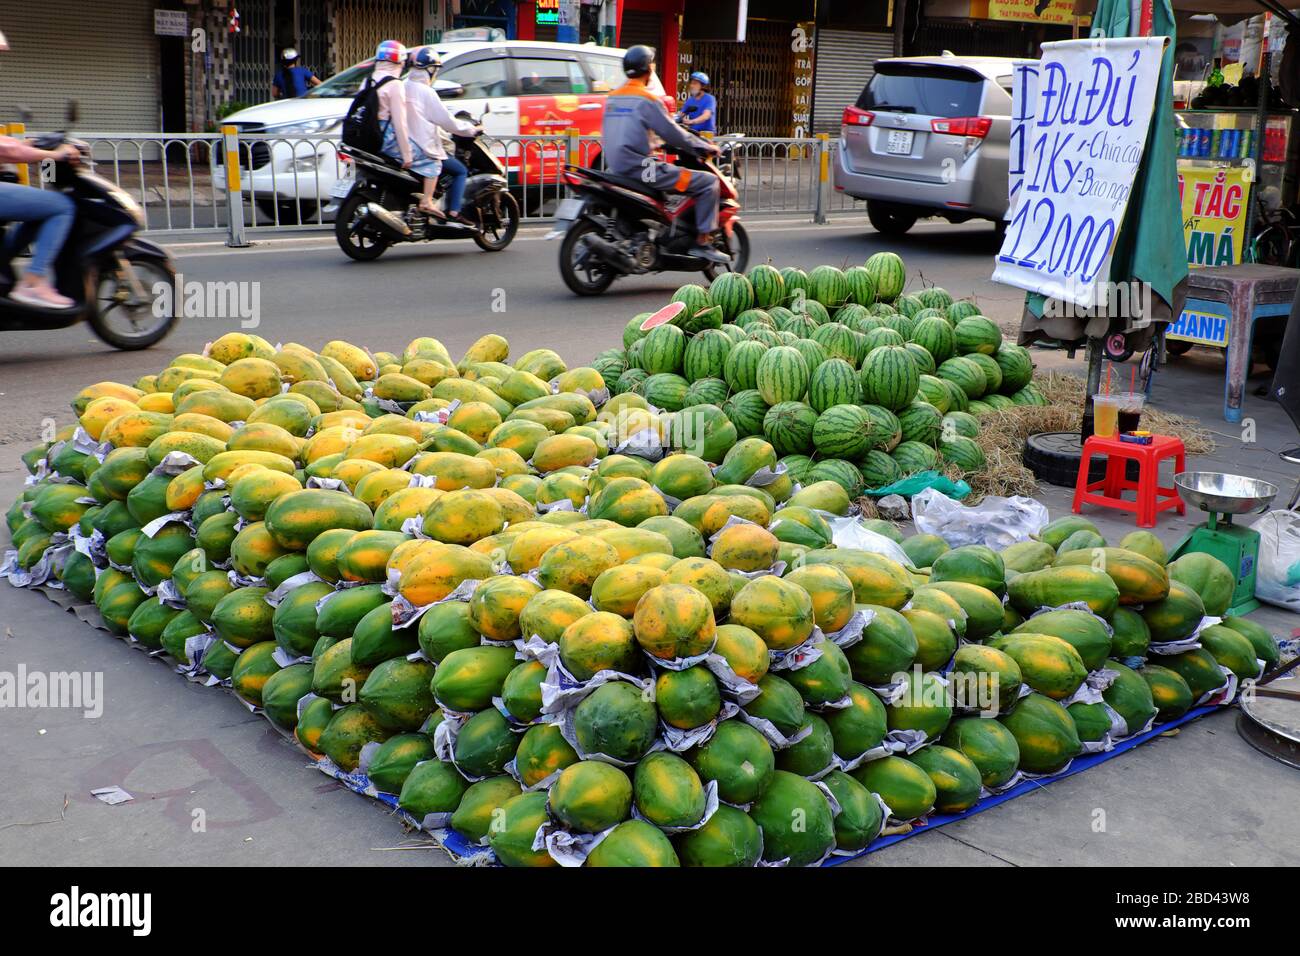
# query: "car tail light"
{"type": "Point", "coordinates": [974, 126]}
{"type": "Point", "coordinates": [855, 117]}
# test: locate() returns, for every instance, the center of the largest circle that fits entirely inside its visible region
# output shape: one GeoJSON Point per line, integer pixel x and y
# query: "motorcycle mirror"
{"type": "Point", "coordinates": [448, 89]}
{"type": "Point", "coordinates": [72, 112]}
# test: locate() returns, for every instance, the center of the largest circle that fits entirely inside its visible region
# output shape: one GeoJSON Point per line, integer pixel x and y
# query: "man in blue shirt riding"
{"type": "Point", "coordinates": [699, 112]}
{"type": "Point", "coordinates": [291, 79]}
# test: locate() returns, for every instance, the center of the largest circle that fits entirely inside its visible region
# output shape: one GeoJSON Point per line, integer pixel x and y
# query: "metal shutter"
{"type": "Point", "coordinates": [846, 60]}
{"type": "Point", "coordinates": [362, 24]}
{"type": "Point", "coordinates": [111, 70]}
{"type": "Point", "coordinates": [640, 26]}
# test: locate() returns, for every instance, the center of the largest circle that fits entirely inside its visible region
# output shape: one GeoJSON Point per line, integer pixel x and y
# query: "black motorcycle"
{"type": "Point", "coordinates": [382, 207]}
{"type": "Point", "coordinates": [104, 266]}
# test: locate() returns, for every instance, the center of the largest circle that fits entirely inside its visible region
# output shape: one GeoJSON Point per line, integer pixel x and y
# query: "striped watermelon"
{"type": "Point", "coordinates": [889, 377]}
{"type": "Point", "coordinates": [886, 431]}
{"type": "Point", "coordinates": [746, 409]}
{"type": "Point", "coordinates": [963, 452]}
{"type": "Point", "coordinates": [886, 269]}
{"type": "Point", "coordinates": [630, 381]}
{"type": "Point", "coordinates": [882, 309]}
{"type": "Point", "coordinates": [936, 336]}
{"type": "Point", "coordinates": [960, 310]}
{"type": "Point", "coordinates": [924, 360]}
{"type": "Point", "coordinates": [843, 473]}
{"type": "Point", "coordinates": [935, 298]}
{"type": "Point", "coordinates": [778, 315]}
{"type": "Point", "coordinates": [782, 375]}
{"type": "Point", "coordinates": [662, 349]}
{"type": "Point", "coordinates": [733, 332]}
{"type": "Point", "coordinates": [979, 408]}
{"type": "Point", "coordinates": [865, 323]}
{"type": "Point", "coordinates": [707, 391]}
{"type": "Point", "coordinates": [862, 285]}
{"type": "Point", "coordinates": [838, 341]}
{"type": "Point", "coordinates": [991, 369]}
{"type": "Point", "coordinates": [666, 390]}
{"type": "Point", "coordinates": [812, 353]}
{"type": "Point", "coordinates": [632, 331]}
{"type": "Point", "coordinates": [909, 305]}
{"type": "Point", "coordinates": [998, 402]}
{"type": "Point", "coordinates": [800, 325]}
{"type": "Point", "coordinates": [960, 424]}
{"type": "Point", "coordinates": [794, 281]}
{"type": "Point", "coordinates": [900, 323]}
{"type": "Point", "coordinates": [610, 363]}
{"type": "Point", "coordinates": [957, 397]}
{"type": "Point", "coordinates": [694, 297]}
{"type": "Point", "coordinates": [1029, 395]}
{"type": "Point", "coordinates": [797, 466]}
{"type": "Point", "coordinates": [851, 314]}
{"type": "Point", "coordinates": [921, 422]}
{"type": "Point", "coordinates": [842, 431]}
{"type": "Point", "coordinates": [834, 382]}
{"type": "Point", "coordinates": [933, 390]}
{"type": "Point", "coordinates": [788, 427]}
{"type": "Point", "coordinates": [768, 286]}
{"type": "Point", "coordinates": [879, 338]}
{"type": "Point", "coordinates": [710, 318]}
{"type": "Point", "coordinates": [878, 469]}
{"type": "Point", "coordinates": [706, 354]}
{"type": "Point", "coordinates": [975, 333]}
{"type": "Point", "coordinates": [966, 374]}
{"type": "Point", "coordinates": [741, 366]}
{"type": "Point", "coordinates": [768, 337]}
{"type": "Point", "coordinates": [732, 293]}
{"type": "Point", "coordinates": [753, 317]}
{"type": "Point", "coordinates": [912, 457]}
{"type": "Point", "coordinates": [828, 286]}
{"type": "Point", "coordinates": [811, 308]}
{"type": "Point", "coordinates": [786, 337]}
{"type": "Point", "coordinates": [634, 354]}
{"type": "Point", "coordinates": [1017, 367]}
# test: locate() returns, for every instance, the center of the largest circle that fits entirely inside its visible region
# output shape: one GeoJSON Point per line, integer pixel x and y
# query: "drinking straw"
{"type": "Point", "coordinates": [1109, 366]}
{"type": "Point", "coordinates": [1132, 378]}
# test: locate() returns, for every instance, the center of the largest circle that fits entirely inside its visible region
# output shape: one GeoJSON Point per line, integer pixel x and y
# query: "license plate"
{"type": "Point", "coordinates": [899, 142]}
{"type": "Point", "coordinates": [569, 209]}
{"type": "Point", "coordinates": [341, 188]}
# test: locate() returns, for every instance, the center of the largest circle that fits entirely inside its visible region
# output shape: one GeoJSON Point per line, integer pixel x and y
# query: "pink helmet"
{"type": "Point", "coordinates": [390, 51]}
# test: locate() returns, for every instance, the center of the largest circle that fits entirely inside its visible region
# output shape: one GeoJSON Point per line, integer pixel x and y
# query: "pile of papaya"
{"type": "Point", "coordinates": [564, 627]}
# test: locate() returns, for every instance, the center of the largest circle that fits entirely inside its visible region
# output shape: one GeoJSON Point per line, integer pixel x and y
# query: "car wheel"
{"type": "Point", "coordinates": [889, 220]}
{"type": "Point", "coordinates": [271, 212]}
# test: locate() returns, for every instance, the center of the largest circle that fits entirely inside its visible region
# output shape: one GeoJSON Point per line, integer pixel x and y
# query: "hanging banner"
{"type": "Point", "coordinates": [1214, 213]}
{"type": "Point", "coordinates": [1030, 11]}
{"type": "Point", "coordinates": [1085, 132]}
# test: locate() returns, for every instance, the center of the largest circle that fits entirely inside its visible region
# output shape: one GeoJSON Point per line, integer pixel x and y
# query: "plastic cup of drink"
{"type": "Point", "coordinates": [1130, 409]}
{"type": "Point", "coordinates": [1105, 415]}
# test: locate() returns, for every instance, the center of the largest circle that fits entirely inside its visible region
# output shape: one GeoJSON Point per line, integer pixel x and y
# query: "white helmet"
{"type": "Point", "coordinates": [289, 54]}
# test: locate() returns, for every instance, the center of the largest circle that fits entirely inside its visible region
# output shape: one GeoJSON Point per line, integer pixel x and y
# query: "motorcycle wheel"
{"type": "Point", "coordinates": [354, 243]}
{"type": "Point", "coordinates": [590, 276]}
{"type": "Point", "coordinates": [737, 248]}
{"type": "Point", "coordinates": [499, 223]}
{"type": "Point", "coordinates": [127, 323]}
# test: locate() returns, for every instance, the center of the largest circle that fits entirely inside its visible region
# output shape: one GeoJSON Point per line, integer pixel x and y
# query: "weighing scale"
{"type": "Point", "coordinates": [1236, 546]}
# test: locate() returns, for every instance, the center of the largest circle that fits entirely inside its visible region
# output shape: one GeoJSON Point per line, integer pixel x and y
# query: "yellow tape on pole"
{"type": "Point", "coordinates": [825, 170]}
{"type": "Point", "coordinates": [231, 135]}
{"type": "Point", "coordinates": [18, 129]}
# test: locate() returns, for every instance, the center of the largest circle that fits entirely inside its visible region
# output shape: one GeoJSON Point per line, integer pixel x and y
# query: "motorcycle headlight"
{"type": "Point", "coordinates": [130, 205]}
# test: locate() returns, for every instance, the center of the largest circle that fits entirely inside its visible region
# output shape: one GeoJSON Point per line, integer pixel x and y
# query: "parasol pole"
{"type": "Point", "coordinates": [1265, 75]}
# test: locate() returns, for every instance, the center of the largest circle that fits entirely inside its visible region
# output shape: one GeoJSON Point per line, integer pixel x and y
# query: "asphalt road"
{"type": "Point", "coordinates": [310, 293]}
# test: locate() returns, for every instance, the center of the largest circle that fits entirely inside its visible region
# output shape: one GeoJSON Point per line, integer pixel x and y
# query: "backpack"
{"type": "Point", "coordinates": [361, 129]}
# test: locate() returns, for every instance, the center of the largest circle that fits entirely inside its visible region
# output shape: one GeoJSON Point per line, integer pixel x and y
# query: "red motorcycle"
{"type": "Point", "coordinates": [618, 226]}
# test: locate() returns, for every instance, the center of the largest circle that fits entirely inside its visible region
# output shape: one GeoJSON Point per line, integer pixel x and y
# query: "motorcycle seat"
{"type": "Point", "coordinates": [628, 182]}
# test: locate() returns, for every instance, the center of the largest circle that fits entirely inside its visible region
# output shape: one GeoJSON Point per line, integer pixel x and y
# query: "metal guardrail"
{"type": "Point", "coordinates": [243, 184]}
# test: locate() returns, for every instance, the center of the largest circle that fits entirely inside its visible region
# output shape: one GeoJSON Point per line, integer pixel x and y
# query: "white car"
{"type": "Point", "coordinates": [288, 148]}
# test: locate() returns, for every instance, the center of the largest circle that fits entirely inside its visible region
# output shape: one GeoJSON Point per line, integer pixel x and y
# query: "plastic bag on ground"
{"type": "Point", "coordinates": [921, 481]}
{"type": "Point", "coordinates": [996, 522]}
{"type": "Point", "coordinates": [1277, 576]}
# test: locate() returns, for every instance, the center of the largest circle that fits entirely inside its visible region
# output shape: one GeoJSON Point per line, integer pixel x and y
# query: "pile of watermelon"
{"type": "Point", "coordinates": [850, 379]}
{"type": "Point", "coordinates": [553, 626]}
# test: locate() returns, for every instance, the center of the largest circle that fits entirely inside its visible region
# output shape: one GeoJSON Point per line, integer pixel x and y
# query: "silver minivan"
{"type": "Point", "coordinates": [929, 136]}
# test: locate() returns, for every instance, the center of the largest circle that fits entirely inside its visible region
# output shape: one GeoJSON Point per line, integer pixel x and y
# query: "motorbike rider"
{"type": "Point", "coordinates": [699, 112]}
{"type": "Point", "coordinates": [425, 116]}
{"type": "Point", "coordinates": [52, 209]}
{"type": "Point", "coordinates": [390, 58]}
{"type": "Point", "coordinates": [632, 113]}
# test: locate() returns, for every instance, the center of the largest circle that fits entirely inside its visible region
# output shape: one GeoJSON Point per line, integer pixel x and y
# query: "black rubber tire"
{"type": "Point", "coordinates": [1053, 457]}
{"type": "Point", "coordinates": [739, 252]}
{"type": "Point", "coordinates": [106, 333]}
{"type": "Point", "coordinates": [576, 284]}
{"type": "Point", "coordinates": [889, 220]}
{"type": "Point", "coordinates": [510, 211]}
{"type": "Point", "coordinates": [352, 244]}
{"type": "Point", "coordinates": [1178, 347]}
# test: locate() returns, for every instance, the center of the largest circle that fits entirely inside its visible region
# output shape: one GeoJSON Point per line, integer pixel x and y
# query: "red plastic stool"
{"type": "Point", "coordinates": [1109, 492]}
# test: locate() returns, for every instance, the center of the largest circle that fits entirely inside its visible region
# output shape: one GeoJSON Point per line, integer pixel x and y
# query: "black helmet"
{"type": "Point", "coordinates": [638, 59]}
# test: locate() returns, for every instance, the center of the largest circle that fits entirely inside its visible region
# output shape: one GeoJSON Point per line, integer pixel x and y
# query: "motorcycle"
{"type": "Point", "coordinates": [382, 205]}
{"type": "Point", "coordinates": [618, 225]}
{"type": "Point", "coordinates": [109, 271]}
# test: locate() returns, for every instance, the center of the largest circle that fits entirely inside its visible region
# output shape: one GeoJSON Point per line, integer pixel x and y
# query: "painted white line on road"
{"type": "Point", "coordinates": [217, 248]}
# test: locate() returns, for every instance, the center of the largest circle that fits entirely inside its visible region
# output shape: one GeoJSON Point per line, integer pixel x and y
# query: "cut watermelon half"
{"type": "Point", "coordinates": [663, 316]}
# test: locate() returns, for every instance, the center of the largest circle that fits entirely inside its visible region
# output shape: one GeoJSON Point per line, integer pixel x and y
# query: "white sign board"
{"type": "Point", "coordinates": [1076, 146]}
{"type": "Point", "coordinates": [171, 23]}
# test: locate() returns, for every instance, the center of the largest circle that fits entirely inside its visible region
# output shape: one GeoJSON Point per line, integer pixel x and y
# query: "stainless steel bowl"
{"type": "Point", "coordinates": [1224, 494]}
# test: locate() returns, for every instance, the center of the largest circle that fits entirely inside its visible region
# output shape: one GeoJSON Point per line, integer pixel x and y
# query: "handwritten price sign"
{"type": "Point", "coordinates": [1081, 116]}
